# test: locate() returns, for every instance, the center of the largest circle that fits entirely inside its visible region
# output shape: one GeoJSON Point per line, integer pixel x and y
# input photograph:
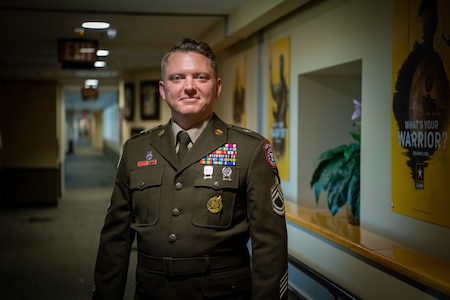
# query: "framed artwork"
{"type": "Point", "coordinates": [278, 112]}
{"type": "Point", "coordinates": [239, 91]}
{"type": "Point", "coordinates": [150, 100]}
{"type": "Point", "coordinates": [128, 111]}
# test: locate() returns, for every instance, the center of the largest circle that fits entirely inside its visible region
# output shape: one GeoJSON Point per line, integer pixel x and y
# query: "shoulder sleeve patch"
{"type": "Point", "coordinates": [270, 157]}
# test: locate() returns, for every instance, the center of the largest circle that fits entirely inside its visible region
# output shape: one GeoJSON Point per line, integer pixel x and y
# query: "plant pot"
{"type": "Point", "coordinates": [351, 219]}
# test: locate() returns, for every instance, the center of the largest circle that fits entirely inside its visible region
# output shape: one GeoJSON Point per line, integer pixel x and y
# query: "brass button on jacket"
{"type": "Point", "coordinates": [204, 207]}
{"type": "Point", "coordinates": [172, 238]}
{"type": "Point", "coordinates": [176, 212]}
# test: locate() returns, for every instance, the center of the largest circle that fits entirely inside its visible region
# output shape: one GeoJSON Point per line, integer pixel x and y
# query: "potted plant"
{"type": "Point", "coordinates": [338, 174]}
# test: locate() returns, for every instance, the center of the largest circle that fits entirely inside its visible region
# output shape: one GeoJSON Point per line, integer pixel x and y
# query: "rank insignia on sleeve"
{"type": "Point", "coordinates": [277, 198]}
{"type": "Point", "coordinates": [270, 157]}
{"type": "Point", "coordinates": [225, 155]}
{"type": "Point", "coordinates": [283, 284]}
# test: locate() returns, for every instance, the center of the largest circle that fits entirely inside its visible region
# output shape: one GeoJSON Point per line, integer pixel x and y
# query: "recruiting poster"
{"type": "Point", "coordinates": [239, 91]}
{"type": "Point", "coordinates": [279, 103]}
{"type": "Point", "coordinates": [421, 110]}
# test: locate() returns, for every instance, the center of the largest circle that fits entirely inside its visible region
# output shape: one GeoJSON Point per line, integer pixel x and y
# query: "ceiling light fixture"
{"type": "Point", "coordinates": [95, 25]}
{"type": "Point", "coordinates": [102, 52]}
{"type": "Point", "coordinates": [91, 83]}
{"type": "Point", "coordinates": [99, 64]}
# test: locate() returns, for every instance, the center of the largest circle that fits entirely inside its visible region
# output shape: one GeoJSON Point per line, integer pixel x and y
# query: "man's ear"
{"type": "Point", "coordinates": [162, 90]}
{"type": "Point", "coordinates": [218, 87]}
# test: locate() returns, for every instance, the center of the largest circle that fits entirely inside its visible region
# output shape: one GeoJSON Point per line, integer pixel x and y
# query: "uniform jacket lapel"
{"type": "Point", "coordinates": [162, 141]}
{"type": "Point", "coordinates": [214, 136]}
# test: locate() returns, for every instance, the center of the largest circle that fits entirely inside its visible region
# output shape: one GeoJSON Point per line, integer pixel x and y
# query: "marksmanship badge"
{"type": "Point", "coordinates": [149, 161]}
{"type": "Point", "coordinates": [226, 172]}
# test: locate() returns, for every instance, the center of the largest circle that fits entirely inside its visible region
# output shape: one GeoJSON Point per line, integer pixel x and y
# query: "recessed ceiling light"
{"type": "Point", "coordinates": [91, 83]}
{"type": "Point", "coordinates": [95, 25]}
{"type": "Point", "coordinates": [102, 52]}
{"type": "Point", "coordinates": [99, 64]}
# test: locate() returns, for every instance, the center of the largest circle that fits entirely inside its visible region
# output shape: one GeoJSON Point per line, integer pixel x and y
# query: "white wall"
{"type": "Point", "coordinates": [324, 115]}
{"type": "Point", "coordinates": [328, 34]}
{"type": "Point", "coordinates": [224, 104]}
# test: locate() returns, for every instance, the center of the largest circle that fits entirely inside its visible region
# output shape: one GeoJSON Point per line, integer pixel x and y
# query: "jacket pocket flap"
{"type": "Point", "coordinates": [145, 177]}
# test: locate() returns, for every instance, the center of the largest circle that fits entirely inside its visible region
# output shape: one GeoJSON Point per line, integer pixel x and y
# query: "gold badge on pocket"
{"type": "Point", "coordinates": [215, 204]}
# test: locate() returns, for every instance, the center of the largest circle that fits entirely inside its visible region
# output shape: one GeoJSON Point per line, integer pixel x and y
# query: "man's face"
{"type": "Point", "coordinates": [189, 87]}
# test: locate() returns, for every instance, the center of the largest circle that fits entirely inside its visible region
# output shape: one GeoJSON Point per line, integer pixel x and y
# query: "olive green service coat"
{"type": "Point", "coordinates": [203, 207]}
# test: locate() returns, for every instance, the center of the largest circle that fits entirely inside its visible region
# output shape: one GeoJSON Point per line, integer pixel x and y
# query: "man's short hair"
{"type": "Point", "coordinates": [190, 45]}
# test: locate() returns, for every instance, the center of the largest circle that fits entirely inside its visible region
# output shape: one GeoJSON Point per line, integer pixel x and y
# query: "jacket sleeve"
{"type": "Point", "coordinates": [267, 226]}
{"type": "Point", "coordinates": [111, 269]}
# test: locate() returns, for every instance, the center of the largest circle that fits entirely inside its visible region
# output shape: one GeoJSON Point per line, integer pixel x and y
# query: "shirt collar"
{"type": "Point", "coordinates": [194, 132]}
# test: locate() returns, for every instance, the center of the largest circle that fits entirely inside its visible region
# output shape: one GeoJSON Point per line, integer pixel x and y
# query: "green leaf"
{"type": "Point", "coordinates": [317, 190]}
{"type": "Point", "coordinates": [331, 153]}
{"type": "Point", "coordinates": [338, 174]}
{"type": "Point", "coordinates": [356, 136]}
{"type": "Point", "coordinates": [329, 161]}
{"type": "Point", "coordinates": [353, 195]}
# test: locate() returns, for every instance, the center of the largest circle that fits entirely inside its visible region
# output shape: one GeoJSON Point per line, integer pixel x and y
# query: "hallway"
{"type": "Point", "coordinates": [49, 252]}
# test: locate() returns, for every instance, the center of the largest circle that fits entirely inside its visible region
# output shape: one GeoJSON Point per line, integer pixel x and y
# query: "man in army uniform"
{"type": "Point", "coordinates": [193, 216]}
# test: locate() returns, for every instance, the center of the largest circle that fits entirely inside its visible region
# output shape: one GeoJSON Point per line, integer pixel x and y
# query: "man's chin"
{"type": "Point", "coordinates": [192, 116]}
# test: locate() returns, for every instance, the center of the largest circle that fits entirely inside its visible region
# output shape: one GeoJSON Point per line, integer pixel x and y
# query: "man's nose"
{"type": "Point", "coordinates": [189, 86]}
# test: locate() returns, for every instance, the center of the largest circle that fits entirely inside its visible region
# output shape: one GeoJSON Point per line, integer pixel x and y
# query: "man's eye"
{"type": "Point", "coordinates": [175, 78]}
{"type": "Point", "coordinates": [202, 77]}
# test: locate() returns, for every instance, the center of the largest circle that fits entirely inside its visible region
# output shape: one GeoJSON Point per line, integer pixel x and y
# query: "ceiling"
{"type": "Point", "coordinates": [30, 30]}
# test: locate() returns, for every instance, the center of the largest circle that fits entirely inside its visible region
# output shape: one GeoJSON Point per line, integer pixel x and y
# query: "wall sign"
{"type": "Point", "coordinates": [77, 53]}
{"type": "Point", "coordinates": [421, 110]}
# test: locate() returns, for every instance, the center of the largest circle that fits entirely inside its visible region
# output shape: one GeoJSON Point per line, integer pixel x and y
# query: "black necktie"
{"type": "Point", "coordinates": [183, 139]}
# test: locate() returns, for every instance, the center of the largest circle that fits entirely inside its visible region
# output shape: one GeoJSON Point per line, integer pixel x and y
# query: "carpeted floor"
{"type": "Point", "coordinates": [48, 253]}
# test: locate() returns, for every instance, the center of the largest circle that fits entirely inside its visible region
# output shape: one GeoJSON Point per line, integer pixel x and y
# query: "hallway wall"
{"type": "Point", "coordinates": [29, 164]}
{"type": "Point", "coordinates": [49, 252]}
